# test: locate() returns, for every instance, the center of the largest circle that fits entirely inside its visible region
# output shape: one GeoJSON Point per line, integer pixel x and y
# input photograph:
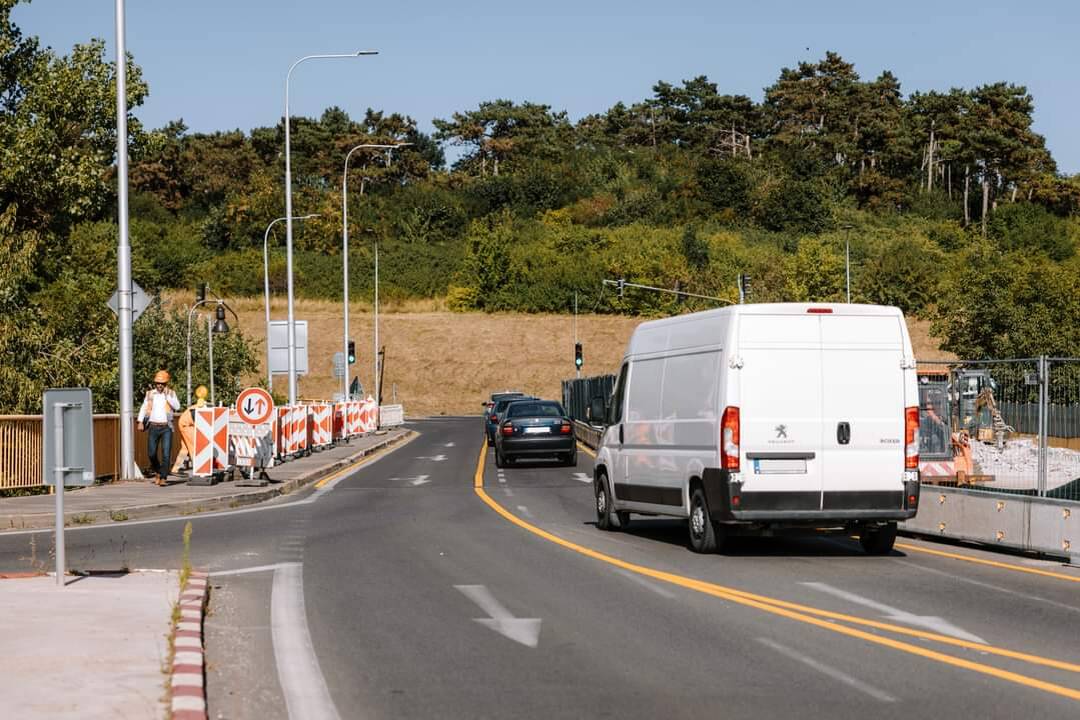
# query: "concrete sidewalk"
{"type": "Point", "coordinates": [96, 648]}
{"type": "Point", "coordinates": [119, 502]}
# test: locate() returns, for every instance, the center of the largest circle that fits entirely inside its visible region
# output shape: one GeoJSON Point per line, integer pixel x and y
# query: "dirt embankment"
{"type": "Point", "coordinates": [446, 363]}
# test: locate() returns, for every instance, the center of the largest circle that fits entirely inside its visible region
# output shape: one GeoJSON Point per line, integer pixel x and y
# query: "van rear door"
{"type": "Point", "coordinates": [780, 408]}
{"type": "Point", "coordinates": [863, 411]}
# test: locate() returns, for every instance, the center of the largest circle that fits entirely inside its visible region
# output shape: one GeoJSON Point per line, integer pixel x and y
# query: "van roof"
{"type": "Point", "coordinates": [709, 328]}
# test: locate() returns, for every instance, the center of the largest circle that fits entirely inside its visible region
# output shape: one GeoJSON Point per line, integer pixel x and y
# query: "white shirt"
{"type": "Point", "coordinates": [158, 406]}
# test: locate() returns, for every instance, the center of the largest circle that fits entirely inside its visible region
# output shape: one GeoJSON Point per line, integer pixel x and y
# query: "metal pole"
{"type": "Point", "coordinates": [1044, 402]}
{"type": "Point", "coordinates": [127, 469]}
{"type": "Point", "coordinates": [375, 380]}
{"type": "Point", "coordinates": [210, 354]}
{"type": "Point", "coordinates": [575, 331]}
{"type": "Point", "coordinates": [266, 291]}
{"type": "Point", "coordinates": [58, 459]}
{"type": "Point", "coordinates": [289, 219]}
{"type": "Point", "coordinates": [847, 265]}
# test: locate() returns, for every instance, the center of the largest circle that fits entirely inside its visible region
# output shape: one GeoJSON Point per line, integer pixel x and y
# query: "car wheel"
{"type": "Point", "coordinates": [604, 515]}
{"type": "Point", "coordinates": [571, 458]}
{"type": "Point", "coordinates": [705, 536]}
{"type": "Point", "coordinates": [500, 461]}
{"type": "Point", "coordinates": [878, 541]}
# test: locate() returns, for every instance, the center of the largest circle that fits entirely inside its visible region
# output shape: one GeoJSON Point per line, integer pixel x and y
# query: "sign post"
{"type": "Point", "coordinates": [255, 410]}
{"type": "Point", "coordinates": [67, 452]}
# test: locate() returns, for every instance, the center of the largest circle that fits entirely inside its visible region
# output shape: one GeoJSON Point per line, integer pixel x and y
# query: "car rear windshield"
{"type": "Point", "coordinates": [530, 409]}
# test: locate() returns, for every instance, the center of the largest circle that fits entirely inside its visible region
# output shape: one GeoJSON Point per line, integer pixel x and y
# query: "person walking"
{"type": "Point", "coordinates": [155, 418]}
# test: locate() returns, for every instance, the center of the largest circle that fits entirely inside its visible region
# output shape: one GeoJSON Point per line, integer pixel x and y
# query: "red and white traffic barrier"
{"type": "Point", "coordinates": [321, 420]}
{"type": "Point", "coordinates": [211, 452]}
{"type": "Point", "coordinates": [341, 426]}
{"type": "Point", "coordinates": [299, 437]}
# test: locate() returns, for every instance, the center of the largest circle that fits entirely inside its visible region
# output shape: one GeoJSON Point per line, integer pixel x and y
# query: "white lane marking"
{"type": "Point", "coordinates": [989, 586]}
{"type": "Point", "coordinates": [838, 675]}
{"type": "Point", "coordinates": [508, 491]}
{"type": "Point", "coordinates": [930, 622]}
{"type": "Point", "coordinates": [522, 630]}
{"type": "Point", "coordinates": [414, 480]}
{"type": "Point", "coordinates": [582, 477]}
{"type": "Point", "coordinates": [433, 458]}
{"type": "Point", "coordinates": [502, 479]}
{"type": "Point", "coordinates": [524, 511]}
{"type": "Point", "coordinates": [662, 592]}
{"type": "Point", "coordinates": [302, 682]}
{"type": "Point", "coordinates": [449, 444]}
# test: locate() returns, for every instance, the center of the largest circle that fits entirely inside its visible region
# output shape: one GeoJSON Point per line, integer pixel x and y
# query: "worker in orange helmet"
{"type": "Point", "coordinates": [155, 417]}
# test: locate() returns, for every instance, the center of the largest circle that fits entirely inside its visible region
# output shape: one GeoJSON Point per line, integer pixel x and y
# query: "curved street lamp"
{"type": "Point", "coordinates": [220, 326]}
{"type": "Point", "coordinates": [345, 264]}
{"type": "Point", "coordinates": [288, 215]}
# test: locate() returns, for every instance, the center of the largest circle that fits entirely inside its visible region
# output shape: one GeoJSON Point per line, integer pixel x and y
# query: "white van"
{"type": "Point", "coordinates": [754, 417]}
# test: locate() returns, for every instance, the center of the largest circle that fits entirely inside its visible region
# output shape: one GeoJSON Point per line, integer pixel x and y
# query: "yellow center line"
{"type": "Point", "coordinates": [363, 461]}
{"type": "Point", "coordinates": [804, 613]}
{"type": "Point", "coordinates": [991, 563]}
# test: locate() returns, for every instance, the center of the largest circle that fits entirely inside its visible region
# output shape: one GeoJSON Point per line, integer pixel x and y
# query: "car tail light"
{"type": "Point", "coordinates": [911, 438]}
{"type": "Point", "coordinates": [507, 428]}
{"type": "Point", "coordinates": [565, 429]}
{"type": "Point", "coordinates": [729, 439]}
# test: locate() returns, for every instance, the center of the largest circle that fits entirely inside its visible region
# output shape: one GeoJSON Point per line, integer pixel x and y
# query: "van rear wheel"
{"type": "Point", "coordinates": [879, 540]}
{"type": "Point", "coordinates": [705, 536]}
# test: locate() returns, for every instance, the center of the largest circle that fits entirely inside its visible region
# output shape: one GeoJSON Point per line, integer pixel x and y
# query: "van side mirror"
{"type": "Point", "coordinates": [597, 412]}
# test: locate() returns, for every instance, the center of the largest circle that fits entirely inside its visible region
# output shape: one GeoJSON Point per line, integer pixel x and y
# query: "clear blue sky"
{"type": "Point", "coordinates": [221, 65]}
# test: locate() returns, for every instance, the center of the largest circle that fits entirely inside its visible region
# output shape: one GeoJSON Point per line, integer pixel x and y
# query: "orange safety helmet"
{"type": "Point", "coordinates": [162, 376]}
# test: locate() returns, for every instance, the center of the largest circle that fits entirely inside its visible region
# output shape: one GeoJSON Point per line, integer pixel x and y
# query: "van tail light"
{"type": "Point", "coordinates": [729, 439]}
{"type": "Point", "coordinates": [819, 311]}
{"type": "Point", "coordinates": [911, 438]}
{"type": "Point", "coordinates": [508, 428]}
{"type": "Point", "coordinates": [565, 429]}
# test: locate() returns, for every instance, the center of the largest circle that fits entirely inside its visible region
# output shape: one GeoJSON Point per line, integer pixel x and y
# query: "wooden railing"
{"type": "Point", "coordinates": [21, 452]}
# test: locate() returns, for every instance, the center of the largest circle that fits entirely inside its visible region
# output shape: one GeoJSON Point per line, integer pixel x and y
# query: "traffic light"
{"type": "Point", "coordinates": [579, 358]}
{"type": "Point", "coordinates": [621, 285]}
{"type": "Point", "coordinates": [352, 352]}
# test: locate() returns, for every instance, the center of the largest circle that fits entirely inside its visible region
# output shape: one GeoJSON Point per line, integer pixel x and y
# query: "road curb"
{"type": "Point", "coordinates": [104, 516]}
{"type": "Point", "coordinates": [187, 677]}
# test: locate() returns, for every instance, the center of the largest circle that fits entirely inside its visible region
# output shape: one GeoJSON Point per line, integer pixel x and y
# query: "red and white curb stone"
{"type": "Point", "coordinates": [188, 670]}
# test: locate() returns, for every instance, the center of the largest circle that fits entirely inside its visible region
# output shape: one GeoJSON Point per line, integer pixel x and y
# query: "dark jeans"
{"type": "Point", "coordinates": [155, 435]}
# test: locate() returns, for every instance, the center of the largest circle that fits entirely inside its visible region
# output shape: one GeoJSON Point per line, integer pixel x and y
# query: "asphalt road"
{"type": "Point", "coordinates": [402, 590]}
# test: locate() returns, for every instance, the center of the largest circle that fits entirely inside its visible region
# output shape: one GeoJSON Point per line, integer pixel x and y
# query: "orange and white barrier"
{"type": "Point", "coordinates": [341, 421]}
{"type": "Point", "coordinates": [299, 436]}
{"type": "Point", "coordinates": [321, 424]}
{"type": "Point", "coordinates": [369, 416]}
{"type": "Point", "coordinates": [355, 423]}
{"type": "Point", "coordinates": [211, 451]}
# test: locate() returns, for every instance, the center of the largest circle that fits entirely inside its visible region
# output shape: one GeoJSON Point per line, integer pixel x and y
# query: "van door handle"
{"type": "Point", "coordinates": [843, 433]}
{"type": "Point", "coordinates": [620, 434]}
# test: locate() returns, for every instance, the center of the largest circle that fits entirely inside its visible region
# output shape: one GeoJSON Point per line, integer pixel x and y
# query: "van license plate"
{"type": "Point", "coordinates": [536, 431]}
{"type": "Point", "coordinates": [780, 467]}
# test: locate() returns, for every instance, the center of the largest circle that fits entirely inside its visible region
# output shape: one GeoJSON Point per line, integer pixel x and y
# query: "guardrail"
{"type": "Point", "coordinates": [587, 434]}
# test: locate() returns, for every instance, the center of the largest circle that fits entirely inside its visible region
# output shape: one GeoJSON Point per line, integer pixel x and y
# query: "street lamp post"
{"type": "Point", "coordinates": [266, 293]}
{"type": "Point", "coordinates": [345, 261]}
{"type": "Point", "coordinates": [219, 326]}
{"type": "Point", "coordinates": [288, 216]}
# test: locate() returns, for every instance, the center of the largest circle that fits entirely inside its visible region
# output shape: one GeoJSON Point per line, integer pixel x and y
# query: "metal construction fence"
{"type": "Point", "coordinates": [580, 392]}
{"type": "Point", "coordinates": [1009, 426]}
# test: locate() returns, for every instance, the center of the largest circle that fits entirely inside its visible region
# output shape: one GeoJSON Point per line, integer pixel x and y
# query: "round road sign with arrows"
{"type": "Point", "coordinates": [254, 406]}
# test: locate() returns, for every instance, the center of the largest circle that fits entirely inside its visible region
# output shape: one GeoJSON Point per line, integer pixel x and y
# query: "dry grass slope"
{"type": "Point", "coordinates": [446, 363]}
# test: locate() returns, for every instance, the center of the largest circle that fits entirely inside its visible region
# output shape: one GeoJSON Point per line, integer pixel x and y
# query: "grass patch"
{"type": "Point", "coordinates": [118, 515]}
{"type": "Point", "coordinates": [83, 519]}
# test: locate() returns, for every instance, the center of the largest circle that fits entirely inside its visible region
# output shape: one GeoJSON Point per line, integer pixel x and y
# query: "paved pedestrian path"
{"type": "Point", "coordinates": [124, 501]}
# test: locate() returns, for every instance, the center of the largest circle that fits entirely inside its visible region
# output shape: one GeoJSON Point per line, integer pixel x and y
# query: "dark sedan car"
{"type": "Point", "coordinates": [531, 429]}
{"type": "Point", "coordinates": [498, 407]}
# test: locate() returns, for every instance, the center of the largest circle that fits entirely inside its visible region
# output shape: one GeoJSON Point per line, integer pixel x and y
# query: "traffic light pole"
{"type": "Point", "coordinates": [620, 284]}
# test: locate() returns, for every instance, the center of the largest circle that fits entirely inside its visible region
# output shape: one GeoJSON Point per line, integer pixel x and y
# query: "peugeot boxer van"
{"type": "Point", "coordinates": [757, 417]}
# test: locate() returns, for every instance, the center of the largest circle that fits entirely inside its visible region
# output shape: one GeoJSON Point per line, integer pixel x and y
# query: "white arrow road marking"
{"type": "Point", "coordinates": [432, 458]}
{"type": "Point", "coordinates": [522, 630]}
{"type": "Point", "coordinates": [582, 477]}
{"type": "Point", "coordinates": [302, 682]}
{"type": "Point", "coordinates": [830, 671]}
{"type": "Point", "coordinates": [930, 622]}
{"type": "Point", "coordinates": [449, 444]}
{"type": "Point", "coordinates": [413, 480]}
